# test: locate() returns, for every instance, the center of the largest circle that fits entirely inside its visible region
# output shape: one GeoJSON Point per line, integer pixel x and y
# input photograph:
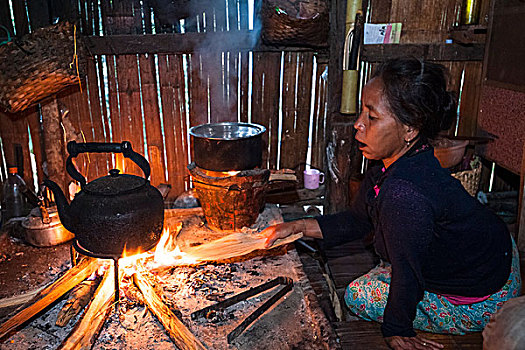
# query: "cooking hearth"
{"type": "Point", "coordinates": [294, 320]}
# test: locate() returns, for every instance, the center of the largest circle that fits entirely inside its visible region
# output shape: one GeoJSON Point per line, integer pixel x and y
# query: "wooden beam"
{"type": "Point", "coordinates": [176, 43]}
{"type": "Point", "coordinates": [177, 331]}
{"type": "Point", "coordinates": [429, 52]}
{"type": "Point", "coordinates": [51, 294]}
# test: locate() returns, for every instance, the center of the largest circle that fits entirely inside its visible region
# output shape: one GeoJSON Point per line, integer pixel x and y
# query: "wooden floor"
{"type": "Point", "coordinates": [344, 264]}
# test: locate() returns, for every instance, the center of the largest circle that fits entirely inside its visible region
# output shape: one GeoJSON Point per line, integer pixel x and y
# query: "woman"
{"type": "Point", "coordinates": [447, 262]}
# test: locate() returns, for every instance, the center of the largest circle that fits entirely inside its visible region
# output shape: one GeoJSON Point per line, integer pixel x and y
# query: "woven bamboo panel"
{"type": "Point", "coordinates": [37, 66]}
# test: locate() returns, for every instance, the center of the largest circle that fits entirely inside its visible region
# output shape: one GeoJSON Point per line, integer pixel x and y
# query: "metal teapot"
{"type": "Point", "coordinates": [113, 213]}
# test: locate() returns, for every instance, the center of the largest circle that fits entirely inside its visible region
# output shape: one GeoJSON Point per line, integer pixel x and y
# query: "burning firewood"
{"type": "Point", "coordinates": [235, 244]}
{"type": "Point", "coordinates": [80, 297]}
{"type": "Point", "coordinates": [50, 294]}
{"type": "Point", "coordinates": [84, 334]}
{"type": "Point", "coordinates": [177, 331]}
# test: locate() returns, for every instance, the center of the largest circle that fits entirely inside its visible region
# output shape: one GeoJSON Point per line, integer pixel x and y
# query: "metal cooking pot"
{"type": "Point", "coordinates": [41, 234]}
{"type": "Point", "coordinates": [227, 146]}
{"type": "Point", "coordinates": [113, 213]}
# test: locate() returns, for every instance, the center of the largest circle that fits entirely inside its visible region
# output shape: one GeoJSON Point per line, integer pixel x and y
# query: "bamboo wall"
{"type": "Point", "coordinates": [153, 99]}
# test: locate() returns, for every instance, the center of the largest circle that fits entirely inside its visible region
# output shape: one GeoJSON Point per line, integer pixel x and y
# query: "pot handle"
{"type": "Point", "coordinates": [125, 148]}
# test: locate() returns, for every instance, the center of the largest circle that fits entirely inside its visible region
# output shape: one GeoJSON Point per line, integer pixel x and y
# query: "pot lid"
{"type": "Point", "coordinates": [115, 184]}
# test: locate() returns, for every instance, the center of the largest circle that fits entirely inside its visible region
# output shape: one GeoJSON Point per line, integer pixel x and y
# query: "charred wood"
{"type": "Point", "coordinates": [85, 332]}
{"type": "Point", "coordinates": [177, 331]}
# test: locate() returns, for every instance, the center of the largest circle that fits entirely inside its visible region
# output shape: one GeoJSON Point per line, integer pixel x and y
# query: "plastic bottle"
{"type": "Point", "coordinates": [13, 200]}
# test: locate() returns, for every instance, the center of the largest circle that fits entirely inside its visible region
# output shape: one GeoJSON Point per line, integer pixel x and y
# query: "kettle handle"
{"type": "Point", "coordinates": [125, 148]}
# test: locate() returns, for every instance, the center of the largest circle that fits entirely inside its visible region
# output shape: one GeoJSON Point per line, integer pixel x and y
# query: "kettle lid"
{"type": "Point", "coordinates": [115, 184]}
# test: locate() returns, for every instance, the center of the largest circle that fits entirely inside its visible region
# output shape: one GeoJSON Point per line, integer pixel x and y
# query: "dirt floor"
{"type": "Point", "coordinates": [24, 268]}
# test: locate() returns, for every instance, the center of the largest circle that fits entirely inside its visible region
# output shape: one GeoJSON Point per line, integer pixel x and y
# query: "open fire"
{"type": "Point", "coordinates": [176, 281]}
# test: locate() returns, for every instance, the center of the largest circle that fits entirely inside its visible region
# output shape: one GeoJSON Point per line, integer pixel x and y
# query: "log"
{"type": "Point", "coordinates": [233, 245]}
{"type": "Point", "coordinates": [50, 294]}
{"type": "Point", "coordinates": [80, 297]}
{"type": "Point", "coordinates": [177, 331]}
{"type": "Point", "coordinates": [85, 332]}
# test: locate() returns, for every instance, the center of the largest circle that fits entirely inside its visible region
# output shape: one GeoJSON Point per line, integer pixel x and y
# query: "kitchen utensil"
{"type": "Point", "coordinates": [227, 146]}
{"type": "Point", "coordinates": [41, 234]}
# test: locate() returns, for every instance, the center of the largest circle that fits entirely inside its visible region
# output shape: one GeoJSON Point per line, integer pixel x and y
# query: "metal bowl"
{"type": "Point", "coordinates": [227, 146]}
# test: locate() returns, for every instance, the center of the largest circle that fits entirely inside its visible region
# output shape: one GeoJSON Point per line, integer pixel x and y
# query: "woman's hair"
{"type": "Point", "coordinates": [416, 92]}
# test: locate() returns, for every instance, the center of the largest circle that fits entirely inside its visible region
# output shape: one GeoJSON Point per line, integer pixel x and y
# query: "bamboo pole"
{"type": "Point", "coordinates": [177, 331]}
{"type": "Point", "coordinates": [84, 334]}
{"type": "Point", "coordinates": [50, 294]}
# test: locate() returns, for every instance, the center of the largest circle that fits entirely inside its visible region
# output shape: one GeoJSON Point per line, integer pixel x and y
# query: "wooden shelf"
{"type": "Point", "coordinates": [182, 43]}
{"type": "Point", "coordinates": [430, 52]}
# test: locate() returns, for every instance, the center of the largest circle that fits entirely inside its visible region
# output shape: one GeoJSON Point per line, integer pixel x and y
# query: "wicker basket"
{"type": "Point", "coordinates": [37, 66]}
{"type": "Point", "coordinates": [470, 179]}
{"type": "Point", "coordinates": [295, 22]}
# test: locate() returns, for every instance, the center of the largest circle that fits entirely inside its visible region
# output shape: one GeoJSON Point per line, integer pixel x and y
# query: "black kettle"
{"type": "Point", "coordinates": [113, 213]}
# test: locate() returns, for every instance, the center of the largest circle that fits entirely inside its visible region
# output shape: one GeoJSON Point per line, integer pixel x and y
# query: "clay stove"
{"type": "Point", "coordinates": [230, 200]}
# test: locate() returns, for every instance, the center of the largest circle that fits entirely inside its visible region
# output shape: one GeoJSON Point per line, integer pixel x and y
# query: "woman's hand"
{"type": "Point", "coordinates": [309, 228]}
{"type": "Point", "coordinates": [417, 342]}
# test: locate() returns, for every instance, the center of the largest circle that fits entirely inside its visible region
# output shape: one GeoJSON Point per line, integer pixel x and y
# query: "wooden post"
{"type": "Point", "coordinates": [339, 138]}
{"type": "Point", "coordinates": [54, 143]}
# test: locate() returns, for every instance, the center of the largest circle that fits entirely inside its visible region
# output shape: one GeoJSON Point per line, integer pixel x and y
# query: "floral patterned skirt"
{"type": "Point", "coordinates": [367, 296]}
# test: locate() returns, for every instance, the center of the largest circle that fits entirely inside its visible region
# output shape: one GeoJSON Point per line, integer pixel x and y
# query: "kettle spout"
{"type": "Point", "coordinates": [62, 205]}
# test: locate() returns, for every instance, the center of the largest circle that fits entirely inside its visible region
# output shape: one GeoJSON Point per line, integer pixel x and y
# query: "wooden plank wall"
{"type": "Point", "coordinates": [152, 100]}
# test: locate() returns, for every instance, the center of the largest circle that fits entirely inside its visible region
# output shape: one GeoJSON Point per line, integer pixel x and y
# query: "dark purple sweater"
{"type": "Point", "coordinates": [436, 236]}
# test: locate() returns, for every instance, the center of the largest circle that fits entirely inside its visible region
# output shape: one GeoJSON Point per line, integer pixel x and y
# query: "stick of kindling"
{"type": "Point", "coordinates": [50, 294]}
{"type": "Point", "coordinates": [235, 244]}
{"type": "Point", "coordinates": [84, 333]}
{"type": "Point", "coordinates": [78, 298]}
{"type": "Point", "coordinates": [19, 299]}
{"type": "Point", "coordinates": [177, 331]}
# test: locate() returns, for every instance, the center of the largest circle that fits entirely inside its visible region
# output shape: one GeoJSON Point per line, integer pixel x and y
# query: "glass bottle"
{"type": "Point", "coordinates": [13, 200]}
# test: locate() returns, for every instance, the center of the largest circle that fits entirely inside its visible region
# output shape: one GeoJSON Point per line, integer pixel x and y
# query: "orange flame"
{"type": "Point", "coordinates": [168, 255]}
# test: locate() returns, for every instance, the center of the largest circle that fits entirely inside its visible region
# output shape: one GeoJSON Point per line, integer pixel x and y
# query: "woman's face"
{"type": "Point", "coordinates": [381, 136]}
